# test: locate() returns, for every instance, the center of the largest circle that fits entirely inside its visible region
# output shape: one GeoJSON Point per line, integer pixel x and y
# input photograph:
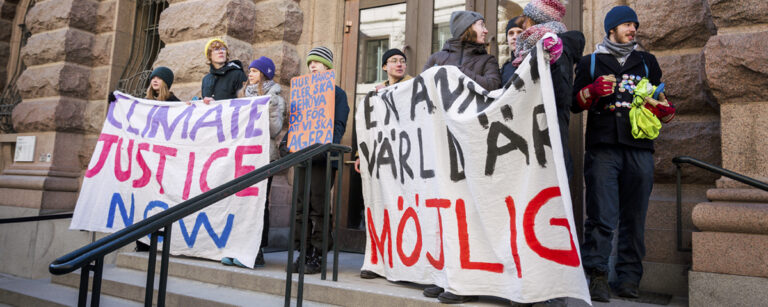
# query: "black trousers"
{"type": "Point", "coordinates": [316, 202]}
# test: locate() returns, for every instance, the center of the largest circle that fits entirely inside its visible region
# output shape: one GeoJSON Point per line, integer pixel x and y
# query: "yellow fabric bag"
{"type": "Point", "coordinates": [645, 125]}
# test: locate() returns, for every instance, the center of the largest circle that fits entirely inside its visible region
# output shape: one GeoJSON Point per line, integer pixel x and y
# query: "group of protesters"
{"type": "Point", "coordinates": [618, 168]}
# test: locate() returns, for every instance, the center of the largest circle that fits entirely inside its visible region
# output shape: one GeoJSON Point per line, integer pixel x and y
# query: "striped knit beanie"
{"type": "Point", "coordinates": [322, 55]}
{"type": "Point", "coordinates": [543, 11]}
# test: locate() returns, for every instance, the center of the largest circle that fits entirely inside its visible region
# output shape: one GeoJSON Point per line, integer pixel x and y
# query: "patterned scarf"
{"type": "Point", "coordinates": [620, 51]}
{"type": "Point", "coordinates": [253, 89]}
{"type": "Point", "coordinates": [530, 36]}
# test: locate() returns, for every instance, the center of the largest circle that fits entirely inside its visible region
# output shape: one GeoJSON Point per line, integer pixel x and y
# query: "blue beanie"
{"type": "Point", "coordinates": [265, 66]}
{"type": "Point", "coordinates": [618, 15]}
{"type": "Point", "coordinates": [164, 73]}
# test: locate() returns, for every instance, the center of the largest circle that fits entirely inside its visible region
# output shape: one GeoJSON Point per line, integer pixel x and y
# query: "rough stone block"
{"type": "Point", "coordinates": [745, 139]}
{"type": "Point", "coordinates": [661, 246]}
{"type": "Point", "coordinates": [188, 62]}
{"type": "Point", "coordinates": [732, 217]}
{"type": "Point", "coordinates": [685, 84]}
{"type": "Point", "coordinates": [730, 253]}
{"type": "Point", "coordinates": [95, 112]}
{"type": "Point", "coordinates": [278, 20]}
{"type": "Point", "coordinates": [730, 13]}
{"type": "Point", "coordinates": [67, 44]}
{"type": "Point", "coordinates": [691, 25]}
{"type": "Point", "coordinates": [8, 9]}
{"type": "Point", "coordinates": [53, 14]}
{"type": "Point", "coordinates": [106, 20]}
{"type": "Point", "coordinates": [53, 80]}
{"type": "Point", "coordinates": [698, 139]}
{"type": "Point", "coordinates": [665, 278]}
{"type": "Point", "coordinates": [736, 68]}
{"type": "Point", "coordinates": [102, 49]}
{"type": "Point", "coordinates": [287, 61]}
{"type": "Point", "coordinates": [97, 83]}
{"type": "Point", "coordinates": [711, 289]}
{"type": "Point", "coordinates": [663, 214]}
{"type": "Point", "coordinates": [6, 29]}
{"type": "Point", "coordinates": [49, 114]}
{"type": "Point", "coordinates": [191, 20]}
{"type": "Point", "coordinates": [86, 150]}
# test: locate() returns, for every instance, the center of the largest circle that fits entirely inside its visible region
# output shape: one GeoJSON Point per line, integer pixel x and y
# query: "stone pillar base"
{"type": "Point", "coordinates": [712, 289]}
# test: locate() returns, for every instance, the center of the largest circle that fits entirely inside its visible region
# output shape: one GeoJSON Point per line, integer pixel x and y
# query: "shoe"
{"type": "Point", "coordinates": [227, 261]}
{"type": "Point", "coordinates": [628, 290]}
{"type": "Point", "coordinates": [238, 263]}
{"type": "Point", "coordinates": [259, 259]}
{"type": "Point", "coordinates": [450, 298]}
{"type": "Point", "coordinates": [311, 264]}
{"type": "Point", "coordinates": [366, 274]}
{"type": "Point", "coordinates": [432, 291]}
{"type": "Point", "coordinates": [599, 289]}
{"type": "Point", "coordinates": [555, 302]}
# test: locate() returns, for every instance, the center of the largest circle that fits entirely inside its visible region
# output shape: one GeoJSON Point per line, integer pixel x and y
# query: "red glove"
{"type": "Point", "coordinates": [662, 112]}
{"type": "Point", "coordinates": [602, 87]}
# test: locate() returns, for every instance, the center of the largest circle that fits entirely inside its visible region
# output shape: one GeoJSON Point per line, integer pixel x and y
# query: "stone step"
{"type": "Point", "coordinates": [129, 284]}
{"type": "Point", "coordinates": [15, 291]}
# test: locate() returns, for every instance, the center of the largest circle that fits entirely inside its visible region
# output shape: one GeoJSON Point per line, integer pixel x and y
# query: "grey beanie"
{"type": "Point", "coordinates": [461, 20]}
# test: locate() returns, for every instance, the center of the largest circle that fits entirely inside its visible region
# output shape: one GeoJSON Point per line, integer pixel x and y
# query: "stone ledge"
{"type": "Point", "coordinates": [727, 13]}
{"type": "Point", "coordinates": [711, 289]}
{"type": "Point", "coordinates": [740, 195]}
{"type": "Point", "coordinates": [731, 217]}
{"type": "Point", "coordinates": [730, 253]}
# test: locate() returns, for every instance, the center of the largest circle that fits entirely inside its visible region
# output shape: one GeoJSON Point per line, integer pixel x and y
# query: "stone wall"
{"type": "Point", "coordinates": [7, 14]}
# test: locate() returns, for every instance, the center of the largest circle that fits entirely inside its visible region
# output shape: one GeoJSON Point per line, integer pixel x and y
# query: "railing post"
{"type": "Point", "coordinates": [96, 289]}
{"type": "Point", "coordinates": [337, 213]}
{"type": "Point", "coordinates": [164, 266]}
{"type": "Point", "coordinates": [82, 297]}
{"type": "Point", "coordinates": [291, 236]}
{"type": "Point", "coordinates": [304, 227]}
{"type": "Point", "coordinates": [150, 287]}
{"type": "Point", "coordinates": [326, 211]}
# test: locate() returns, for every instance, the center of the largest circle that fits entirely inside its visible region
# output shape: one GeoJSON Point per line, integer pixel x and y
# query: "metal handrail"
{"type": "Point", "coordinates": [94, 252]}
{"type": "Point", "coordinates": [35, 218]}
{"type": "Point", "coordinates": [713, 169]}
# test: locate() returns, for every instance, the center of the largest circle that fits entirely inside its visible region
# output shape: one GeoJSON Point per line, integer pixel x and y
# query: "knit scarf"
{"type": "Point", "coordinates": [527, 40]}
{"type": "Point", "coordinates": [253, 89]}
{"type": "Point", "coordinates": [620, 51]}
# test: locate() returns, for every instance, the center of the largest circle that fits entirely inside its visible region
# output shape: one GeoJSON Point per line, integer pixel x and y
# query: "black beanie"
{"type": "Point", "coordinates": [389, 53]}
{"type": "Point", "coordinates": [164, 73]}
{"type": "Point", "coordinates": [513, 23]}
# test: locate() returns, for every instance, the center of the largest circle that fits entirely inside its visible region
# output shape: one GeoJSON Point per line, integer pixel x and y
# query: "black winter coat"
{"type": "Point", "coordinates": [472, 60]}
{"type": "Point", "coordinates": [562, 83]}
{"type": "Point", "coordinates": [607, 126]}
{"type": "Point", "coordinates": [223, 83]}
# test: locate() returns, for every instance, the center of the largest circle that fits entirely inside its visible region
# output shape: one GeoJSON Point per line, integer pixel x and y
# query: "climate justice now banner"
{"type": "Point", "coordinates": [467, 189]}
{"type": "Point", "coordinates": [153, 155]}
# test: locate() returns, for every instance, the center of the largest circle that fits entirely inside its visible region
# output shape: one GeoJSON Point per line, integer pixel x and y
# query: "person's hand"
{"type": "Point", "coordinates": [207, 100]}
{"type": "Point", "coordinates": [111, 98]}
{"type": "Point", "coordinates": [357, 165]}
{"type": "Point", "coordinates": [602, 87]}
{"type": "Point", "coordinates": [553, 46]}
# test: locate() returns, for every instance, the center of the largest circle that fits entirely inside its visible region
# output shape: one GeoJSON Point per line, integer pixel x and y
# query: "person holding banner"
{"type": "Point", "coordinates": [466, 50]}
{"type": "Point", "coordinates": [393, 63]}
{"type": "Point", "coordinates": [160, 81]}
{"type": "Point", "coordinates": [260, 75]}
{"type": "Point", "coordinates": [539, 18]}
{"type": "Point", "coordinates": [319, 60]}
{"type": "Point", "coordinates": [618, 168]}
{"type": "Point", "coordinates": [225, 77]}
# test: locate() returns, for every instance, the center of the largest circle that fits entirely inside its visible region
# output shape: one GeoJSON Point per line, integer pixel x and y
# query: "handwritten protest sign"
{"type": "Point", "coordinates": [312, 110]}
{"type": "Point", "coordinates": [467, 189]}
{"type": "Point", "coordinates": [152, 155]}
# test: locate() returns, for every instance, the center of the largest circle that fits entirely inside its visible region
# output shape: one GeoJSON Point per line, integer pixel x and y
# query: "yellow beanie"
{"type": "Point", "coordinates": [210, 42]}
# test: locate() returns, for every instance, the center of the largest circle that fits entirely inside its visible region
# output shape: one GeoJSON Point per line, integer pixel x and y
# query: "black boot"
{"type": "Point", "coordinates": [314, 261]}
{"type": "Point", "coordinates": [598, 287]}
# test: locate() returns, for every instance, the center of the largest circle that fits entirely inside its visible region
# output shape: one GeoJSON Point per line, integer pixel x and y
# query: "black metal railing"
{"type": "Point", "coordinates": [710, 168]}
{"type": "Point", "coordinates": [35, 218]}
{"type": "Point", "coordinates": [90, 258]}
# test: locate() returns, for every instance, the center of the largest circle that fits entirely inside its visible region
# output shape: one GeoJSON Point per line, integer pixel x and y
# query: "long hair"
{"type": "Point", "coordinates": [161, 95]}
{"type": "Point", "coordinates": [469, 36]}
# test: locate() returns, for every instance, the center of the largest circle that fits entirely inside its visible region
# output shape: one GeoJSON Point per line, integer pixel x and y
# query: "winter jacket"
{"type": "Point", "coordinates": [276, 113]}
{"type": "Point", "coordinates": [562, 83]}
{"type": "Point", "coordinates": [607, 123]}
{"type": "Point", "coordinates": [472, 60]}
{"type": "Point", "coordinates": [223, 83]}
{"type": "Point", "coordinates": [172, 98]}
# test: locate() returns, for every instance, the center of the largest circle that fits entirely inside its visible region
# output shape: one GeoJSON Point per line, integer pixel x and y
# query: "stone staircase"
{"type": "Point", "coordinates": [196, 282]}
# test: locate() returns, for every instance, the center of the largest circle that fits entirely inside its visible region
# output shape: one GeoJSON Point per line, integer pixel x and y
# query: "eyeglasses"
{"type": "Point", "coordinates": [224, 49]}
{"type": "Point", "coordinates": [395, 61]}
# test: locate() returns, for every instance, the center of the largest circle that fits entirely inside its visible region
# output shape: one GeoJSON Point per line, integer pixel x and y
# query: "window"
{"type": "Point", "coordinates": [441, 30]}
{"type": "Point", "coordinates": [146, 45]}
{"type": "Point", "coordinates": [374, 49]}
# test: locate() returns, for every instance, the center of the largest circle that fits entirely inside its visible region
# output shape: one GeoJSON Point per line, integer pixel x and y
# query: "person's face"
{"type": "Point", "coordinates": [395, 66]}
{"type": "Point", "coordinates": [218, 54]}
{"type": "Point", "coordinates": [512, 35]}
{"type": "Point", "coordinates": [254, 75]}
{"type": "Point", "coordinates": [316, 67]}
{"type": "Point", "coordinates": [156, 83]}
{"type": "Point", "coordinates": [479, 27]}
{"type": "Point", "coordinates": [624, 33]}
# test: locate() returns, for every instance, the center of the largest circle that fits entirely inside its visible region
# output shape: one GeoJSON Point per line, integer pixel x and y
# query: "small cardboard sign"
{"type": "Point", "coordinates": [312, 110]}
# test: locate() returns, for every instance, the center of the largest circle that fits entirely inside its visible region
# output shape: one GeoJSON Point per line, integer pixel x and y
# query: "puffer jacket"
{"type": "Point", "coordinates": [224, 83]}
{"type": "Point", "coordinates": [276, 113]}
{"type": "Point", "coordinates": [472, 60]}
